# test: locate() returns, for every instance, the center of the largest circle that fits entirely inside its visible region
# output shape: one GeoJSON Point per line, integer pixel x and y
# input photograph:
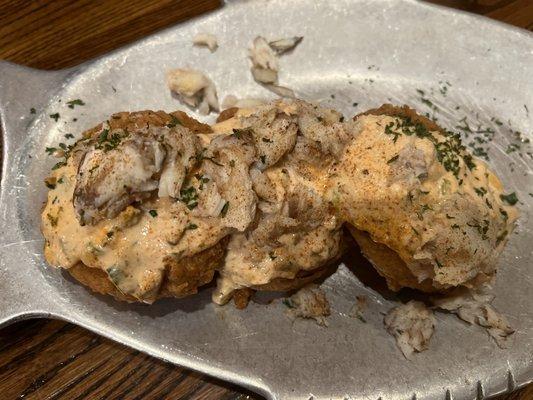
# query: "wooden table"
{"type": "Point", "coordinates": [43, 359]}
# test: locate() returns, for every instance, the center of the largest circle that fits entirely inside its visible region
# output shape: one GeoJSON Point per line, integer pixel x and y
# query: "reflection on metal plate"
{"type": "Point", "coordinates": [366, 52]}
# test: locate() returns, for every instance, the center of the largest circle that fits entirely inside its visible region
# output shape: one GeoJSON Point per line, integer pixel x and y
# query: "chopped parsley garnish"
{"type": "Point", "coordinates": [189, 196]}
{"type": "Point", "coordinates": [54, 116]}
{"type": "Point", "coordinates": [438, 263]}
{"type": "Point", "coordinates": [504, 214]}
{"type": "Point", "coordinates": [32, 110]}
{"type": "Point", "coordinates": [263, 159]}
{"type": "Point", "coordinates": [500, 237]}
{"type": "Point", "coordinates": [173, 122]}
{"type": "Point", "coordinates": [239, 132]}
{"type": "Point", "coordinates": [232, 163]}
{"type": "Point", "coordinates": [449, 151]}
{"type": "Point", "coordinates": [115, 274]}
{"type": "Point", "coordinates": [77, 102]}
{"type": "Point", "coordinates": [510, 198]}
{"type": "Point", "coordinates": [224, 210]}
{"type": "Point", "coordinates": [481, 191]}
{"type": "Point", "coordinates": [49, 184]}
{"type": "Point", "coordinates": [355, 104]}
{"type": "Point", "coordinates": [482, 227]}
{"type": "Point", "coordinates": [201, 156]}
{"type": "Point", "coordinates": [109, 142]}
{"type": "Point", "coordinates": [153, 213]}
{"type": "Point", "coordinates": [191, 227]}
{"type": "Point", "coordinates": [288, 303]}
{"type": "Point", "coordinates": [59, 165]}
{"type": "Point", "coordinates": [512, 148]}
{"type": "Point", "coordinates": [393, 159]}
{"type": "Point", "coordinates": [266, 140]}
{"type": "Point", "coordinates": [50, 150]}
{"type": "Point", "coordinates": [272, 256]}
{"type": "Point", "coordinates": [69, 136]}
{"type": "Point", "coordinates": [53, 220]}
{"type": "Point", "coordinates": [423, 209]}
{"type": "Point", "coordinates": [110, 234]}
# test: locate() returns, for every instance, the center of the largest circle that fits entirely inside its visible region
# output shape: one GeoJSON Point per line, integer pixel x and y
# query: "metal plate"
{"type": "Point", "coordinates": [367, 52]}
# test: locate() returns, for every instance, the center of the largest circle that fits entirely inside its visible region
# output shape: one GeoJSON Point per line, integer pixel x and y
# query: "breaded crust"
{"type": "Point", "coordinates": [301, 279]}
{"type": "Point", "coordinates": [388, 264]}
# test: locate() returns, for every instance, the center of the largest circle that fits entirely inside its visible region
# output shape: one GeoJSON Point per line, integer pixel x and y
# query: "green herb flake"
{"type": "Point", "coordinates": [115, 274]}
{"type": "Point", "coordinates": [73, 103]}
{"type": "Point", "coordinates": [288, 303]}
{"type": "Point", "coordinates": [189, 196]}
{"type": "Point", "coordinates": [110, 234]}
{"type": "Point", "coordinates": [224, 210]}
{"type": "Point", "coordinates": [54, 116]}
{"type": "Point", "coordinates": [173, 122]}
{"type": "Point", "coordinates": [501, 237]}
{"type": "Point", "coordinates": [59, 165]}
{"type": "Point", "coordinates": [481, 191]}
{"type": "Point", "coordinates": [266, 140]}
{"type": "Point", "coordinates": [32, 110]}
{"type": "Point", "coordinates": [153, 213]}
{"type": "Point", "coordinates": [438, 263]}
{"type": "Point", "coordinates": [53, 220]}
{"type": "Point", "coordinates": [69, 136]}
{"type": "Point", "coordinates": [49, 184]}
{"type": "Point", "coordinates": [393, 159]}
{"type": "Point", "coordinates": [50, 150]}
{"type": "Point", "coordinates": [191, 227]}
{"type": "Point", "coordinates": [263, 159]}
{"type": "Point", "coordinates": [510, 198]}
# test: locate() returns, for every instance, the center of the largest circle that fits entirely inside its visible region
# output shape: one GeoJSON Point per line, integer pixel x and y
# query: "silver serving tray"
{"type": "Point", "coordinates": [386, 49]}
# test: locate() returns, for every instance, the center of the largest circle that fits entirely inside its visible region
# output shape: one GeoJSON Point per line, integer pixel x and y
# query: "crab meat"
{"type": "Point", "coordinates": [264, 61]}
{"type": "Point", "coordinates": [232, 101]}
{"type": "Point", "coordinates": [227, 162]}
{"type": "Point", "coordinates": [281, 91]}
{"type": "Point", "coordinates": [130, 166]}
{"type": "Point", "coordinates": [207, 40]}
{"type": "Point", "coordinates": [194, 88]}
{"type": "Point", "coordinates": [309, 302]}
{"type": "Point", "coordinates": [412, 325]}
{"type": "Point", "coordinates": [264, 75]}
{"type": "Point", "coordinates": [284, 45]}
{"type": "Point", "coordinates": [475, 308]}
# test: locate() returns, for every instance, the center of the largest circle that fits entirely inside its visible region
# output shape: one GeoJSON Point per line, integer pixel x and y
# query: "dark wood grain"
{"type": "Point", "coordinates": [44, 359]}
